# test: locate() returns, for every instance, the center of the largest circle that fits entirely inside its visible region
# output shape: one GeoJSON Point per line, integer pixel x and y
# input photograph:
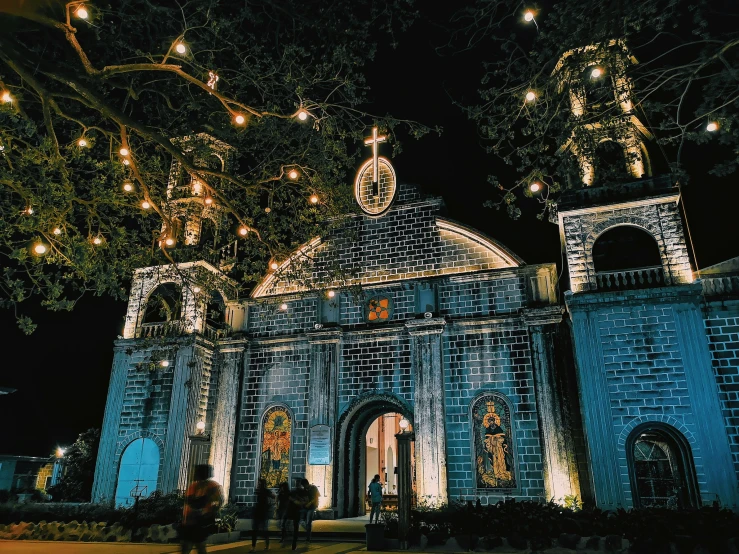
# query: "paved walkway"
{"type": "Point", "coordinates": [242, 547]}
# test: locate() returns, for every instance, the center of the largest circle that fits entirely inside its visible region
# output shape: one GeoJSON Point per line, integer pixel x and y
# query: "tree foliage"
{"type": "Point", "coordinates": [137, 75]}
{"type": "Point", "coordinates": [79, 460]}
{"type": "Point", "coordinates": [687, 75]}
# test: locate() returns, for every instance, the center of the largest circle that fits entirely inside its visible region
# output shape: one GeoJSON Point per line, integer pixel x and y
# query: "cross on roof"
{"type": "Point", "coordinates": [374, 140]}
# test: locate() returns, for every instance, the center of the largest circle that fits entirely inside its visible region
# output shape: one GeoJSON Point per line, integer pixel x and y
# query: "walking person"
{"type": "Point", "coordinates": [298, 500]}
{"type": "Point", "coordinates": [203, 499]}
{"type": "Point", "coordinates": [309, 509]}
{"type": "Point", "coordinates": [375, 492]}
{"type": "Point", "coordinates": [262, 513]}
{"type": "Point", "coordinates": [283, 507]}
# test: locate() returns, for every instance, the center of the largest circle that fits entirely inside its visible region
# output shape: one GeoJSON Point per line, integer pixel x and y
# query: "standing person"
{"type": "Point", "coordinates": [311, 504]}
{"type": "Point", "coordinates": [203, 499]}
{"type": "Point", "coordinates": [375, 491]}
{"type": "Point", "coordinates": [262, 513]}
{"type": "Point", "coordinates": [283, 507]}
{"type": "Point", "coordinates": [298, 500]}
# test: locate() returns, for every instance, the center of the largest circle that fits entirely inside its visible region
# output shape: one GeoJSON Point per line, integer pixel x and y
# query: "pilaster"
{"type": "Point", "coordinates": [429, 412]}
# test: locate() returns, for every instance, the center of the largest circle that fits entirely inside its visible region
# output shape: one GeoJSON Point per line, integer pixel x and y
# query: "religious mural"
{"type": "Point", "coordinates": [493, 443]}
{"type": "Point", "coordinates": [276, 436]}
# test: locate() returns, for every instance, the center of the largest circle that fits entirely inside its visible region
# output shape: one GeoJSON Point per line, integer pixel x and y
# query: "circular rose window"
{"type": "Point", "coordinates": [379, 308]}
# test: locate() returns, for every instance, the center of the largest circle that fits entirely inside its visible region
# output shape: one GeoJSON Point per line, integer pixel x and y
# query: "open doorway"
{"type": "Point", "coordinates": [381, 456]}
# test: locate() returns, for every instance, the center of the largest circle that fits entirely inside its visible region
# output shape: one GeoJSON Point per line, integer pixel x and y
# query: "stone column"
{"type": "Point", "coordinates": [322, 405]}
{"type": "Point", "coordinates": [103, 488]}
{"type": "Point", "coordinates": [710, 428]}
{"type": "Point", "coordinates": [405, 486]}
{"type": "Point", "coordinates": [561, 477]}
{"type": "Point", "coordinates": [429, 413]}
{"type": "Point", "coordinates": [596, 410]}
{"type": "Point", "coordinates": [223, 429]}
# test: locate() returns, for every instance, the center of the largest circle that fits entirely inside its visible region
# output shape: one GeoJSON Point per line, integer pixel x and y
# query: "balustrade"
{"type": "Point", "coordinates": [629, 279]}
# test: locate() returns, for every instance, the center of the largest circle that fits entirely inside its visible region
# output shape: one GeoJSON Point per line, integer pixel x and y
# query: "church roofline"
{"type": "Point", "coordinates": [480, 238]}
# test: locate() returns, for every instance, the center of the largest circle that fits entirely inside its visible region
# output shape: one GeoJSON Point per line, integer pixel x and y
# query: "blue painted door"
{"type": "Point", "coordinates": [138, 471]}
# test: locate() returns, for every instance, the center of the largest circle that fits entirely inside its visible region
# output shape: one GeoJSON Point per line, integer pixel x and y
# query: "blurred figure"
{"type": "Point", "coordinates": [375, 492]}
{"type": "Point", "coordinates": [309, 509]}
{"type": "Point", "coordinates": [262, 513]}
{"type": "Point", "coordinates": [298, 501]}
{"type": "Point", "coordinates": [203, 499]}
{"type": "Point", "coordinates": [283, 507]}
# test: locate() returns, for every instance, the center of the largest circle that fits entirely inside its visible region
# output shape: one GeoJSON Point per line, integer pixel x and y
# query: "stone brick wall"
{"type": "Point", "coordinates": [722, 328]}
{"type": "Point", "coordinates": [480, 359]}
{"type": "Point", "coordinates": [659, 217]}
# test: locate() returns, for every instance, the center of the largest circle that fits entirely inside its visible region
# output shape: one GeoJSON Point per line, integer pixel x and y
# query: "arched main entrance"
{"type": "Point", "coordinates": [350, 486]}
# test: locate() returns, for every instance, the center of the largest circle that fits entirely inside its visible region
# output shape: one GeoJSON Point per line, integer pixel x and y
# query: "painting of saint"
{"type": "Point", "coordinates": [276, 436]}
{"type": "Point", "coordinates": [491, 422]}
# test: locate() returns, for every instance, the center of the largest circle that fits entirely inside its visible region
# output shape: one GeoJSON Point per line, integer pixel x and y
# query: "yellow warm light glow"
{"type": "Point", "coordinates": [712, 126]}
{"type": "Point", "coordinates": [283, 307]}
{"type": "Point", "coordinates": [208, 200]}
{"type": "Point", "coordinates": [169, 241]}
{"type": "Point", "coordinates": [82, 143]}
{"type": "Point", "coordinates": [82, 12]}
{"type": "Point", "coordinates": [127, 186]}
{"type": "Point", "coordinates": [596, 73]}
{"type": "Point", "coordinates": [29, 210]}
{"type": "Point", "coordinates": [529, 15]}
{"type": "Point", "coordinates": [535, 187]}
{"type": "Point", "coordinates": [196, 290]}
{"type": "Point", "coordinates": [40, 248]}
{"type": "Point", "coordinates": [267, 210]}
{"type": "Point", "coordinates": [302, 115]}
{"type": "Point", "coordinates": [145, 205]}
{"type": "Point", "coordinates": [239, 119]}
{"type": "Point", "coordinates": [197, 187]}
{"type": "Point", "coordinates": [243, 231]}
{"type": "Point", "coordinates": [181, 48]}
{"type": "Point", "coordinates": [403, 424]}
{"type": "Point", "coordinates": [530, 96]}
{"type": "Point", "coordinates": [124, 151]}
{"type": "Point", "coordinates": [59, 452]}
{"type": "Point", "coordinates": [126, 162]}
{"type": "Point", "coordinates": [331, 294]}
{"type": "Point", "coordinates": [274, 265]}
{"type": "Point", "coordinates": [97, 240]}
{"type": "Point", "coordinates": [57, 231]}
{"type": "Point", "coordinates": [164, 363]}
{"type": "Point", "coordinates": [293, 174]}
{"type": "Point", "coordinates": [314, 199]}
{"type": "Point", "coordinates": [6, 97]}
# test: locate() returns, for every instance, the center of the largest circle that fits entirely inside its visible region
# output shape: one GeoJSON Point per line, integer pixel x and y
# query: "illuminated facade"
{"type": "Point", "coordinates": [622, 394]}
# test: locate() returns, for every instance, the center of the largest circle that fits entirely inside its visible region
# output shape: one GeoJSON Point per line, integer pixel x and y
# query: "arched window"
{"type": "Point", "coordinates": [164, 304]}
{"type": "Point", "coordinates": [610, 163]}
{"type": "Point", "coordinates": [661, 467]}
{"type": "Point", "coordinates": [276, 446]}
{"type": "Point", "coordinates": [215, 311]}
{"type": "Point", "coordinates": [625, 247]}
{"type": "Point", "coordinates": [492, 432]}
{"type": "Point", "coordinates": [138, 471]}
{"type": "Point", "coordinates": [598, 87]}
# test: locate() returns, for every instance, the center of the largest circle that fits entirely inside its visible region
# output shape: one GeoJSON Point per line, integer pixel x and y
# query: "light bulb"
{"type": "Point", "coordinates": [529, 15]}
{"type": "Point", "coordinates": [331, 294]}
{"type": "Point", "coordinates": [57, 231]}
{"type": "Point", "coordinates": [169, 241]}
{"type": "Point", "coordinates": [164, 363]}
{"type": "Point", "coordinates": [596, 73]}
{"type": "Point", "coordinates": [6, 97]}
{"type": "Point", "coordinates": [239, 119]}
{"type": "Point", "coordinates": [196, 290]}
{"type": "Point", "coordinates": [123, 151]}
{"type": "Point", "coordinates": [208, 200]}
{"type": "Point", "coordinates": [530, 96]}
{"type": "Point", "coordinates": [181, 48]}
{"type": "Point", "coordinates": [82, 143]}
{"type": "Point", "coordinates": [145, 205]}
{"type": "Point", "coordinates": [82, 12]}
{"type": "Point", "coordinates": [302, 115]}
{"type": "Point", "coordinates": [59, 452]}
{"type": "Point", "coordinates": [267, 209]}
{"type": "Point", "coordinates": [314, 199]}
{"type": "Point", "coordinates": [126, 162]}
{"type": "Point", "coordinates": [29, 210]}
{"type": "Point", "coordinates": [283, 307]}
{"type": "Point", "coordinates": [40, 248]}
{"type": "Point", "coordinates": [243, 231]}
{"type": "Point", "coordinates": [197, 187]}
{"type": "Point", "coordinates": [293, 174]}
{"type": "Point", "coordinates": [535, 187]}
{"type": "Point", "coordinates": [200, 425]}
{"type": "Point", "coordinates": [403, 424]}
{"type": "Point", "coordinates": [97, 241]}
{"type": "Point", "coordinates": [274, 265]}
{"type": "Point", "coordinates": [712, 126]}
{"type": "Point", "coordinates": [127, 186]}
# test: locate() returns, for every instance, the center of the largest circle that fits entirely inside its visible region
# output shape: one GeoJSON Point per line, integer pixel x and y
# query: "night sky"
{"type": "Point", "coordinates": [62, 370]}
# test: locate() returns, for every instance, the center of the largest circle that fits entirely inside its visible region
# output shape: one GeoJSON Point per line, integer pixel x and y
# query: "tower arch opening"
{"type": "Point", "coordinates": [625, 247]}
{"type": "Point", "coordinates": [611, 164]}
{"type": "Point", "coordinates": [164, 304]}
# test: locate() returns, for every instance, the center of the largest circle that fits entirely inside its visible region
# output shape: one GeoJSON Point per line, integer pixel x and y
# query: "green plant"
{"type": "Point", "coordinates": [572, 502]}
{"type": "Point", "coordinates": [227, 518]}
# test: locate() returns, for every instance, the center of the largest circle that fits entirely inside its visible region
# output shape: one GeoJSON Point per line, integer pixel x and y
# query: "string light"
{"type": "Point", "coordinates": [82, 143]}
{"type": "Point", "coordinates": [28, 211]}
{"type": "Point", "coordinates": [169, 241]}
{"type": "Point", "coordinates": [712, 126]}
{"type": "Point", "coordinates": [145, 205]}
{"type": "Point", "coordinates": [57, 231]}
{"type": "Point", "coordinates": [124, 152]}
{"type": "Point", "coordinates": [127, 185]}
{"type": "Point", "coordinates": [239, 119]}
{"type": "Point", "coordinates": [196, 290]}
{"type": "Point", "coordinates": [283, 307]}
{"type": "Point", "coordinates": [274, 265]}
{"type": "Point", "coordinates": [293, 174]}
{"type": "Point", "coordinates": [596, 73]}
{"type": "Point", "coordinates": [267, 209]}
{"type": "Point", "coordinates": [243, 231]}
{"type": "Point", "coordinates": [331, 294]}
{"type": "Point", "coordinates": [180, 48]}
{"type": "Point", "coordinates": [529, 15]}
{"type": "Point", "coordinates": [164, 363]}
{"type": "Point", "coordinates": [97, 241]}
{"type": "Point", "coordinates": [530, 96]}
{"type": "Point", "coordinates": [212, 80]}
{"type": "Point", "coordinates": [208, 201]}
{"type": "Point", "coordinates": [302, 115]}
{"type": "Point", "coordinates": [314, 199]}
{"type": "Point", "coordinates": [39, 248]}
{"type": "Point", "coordinates": [82, 12]}
{"type": "Point", "coordinates": [6, 97]}
{"type": "Point", "coordinates": [126, 162]}
{"type": "Point", "coordinates": [535, 187]}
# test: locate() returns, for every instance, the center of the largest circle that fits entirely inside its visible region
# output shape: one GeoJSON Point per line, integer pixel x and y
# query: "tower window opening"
{"type": "Point", "coordinates": [164, 304]}
{"type": "Point", "coordinates": [625, 247]}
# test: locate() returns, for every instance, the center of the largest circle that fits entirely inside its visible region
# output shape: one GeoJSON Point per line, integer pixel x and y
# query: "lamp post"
{"type": "Point", "coordinates": [405, 485]}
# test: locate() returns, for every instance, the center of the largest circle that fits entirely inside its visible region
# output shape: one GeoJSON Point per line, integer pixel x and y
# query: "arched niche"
{"type": "Point", "coordinates": [661, 467]}
{"type": "Point", "coordinates": [610, 161]}
{"type": "Point", "coordinates": [163, 304]}
{"type": "Point", "coordinates": [215, 310]}
{"type": "Point", "coordinates": [598, 91]}
{"type": "Point", "coordinates": [276, 446]}
{"type": "Point", "coordinates": [625, 247]}
{"type": "Point", "coordinates": [137, 471]}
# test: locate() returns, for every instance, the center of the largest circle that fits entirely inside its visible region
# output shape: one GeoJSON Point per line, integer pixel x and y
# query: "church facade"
{"type": "Point", "coordinates": [622, 392]}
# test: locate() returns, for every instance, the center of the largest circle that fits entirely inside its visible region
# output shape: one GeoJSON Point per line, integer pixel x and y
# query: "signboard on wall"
{"type": "Point", "coordinates": [319, 453]}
